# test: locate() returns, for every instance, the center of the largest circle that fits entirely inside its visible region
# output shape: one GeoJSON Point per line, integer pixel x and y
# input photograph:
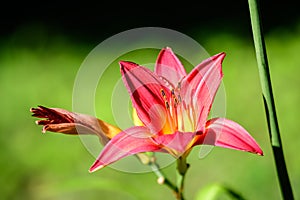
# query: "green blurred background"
{"type": "Point", "coordinates": [42, 48]}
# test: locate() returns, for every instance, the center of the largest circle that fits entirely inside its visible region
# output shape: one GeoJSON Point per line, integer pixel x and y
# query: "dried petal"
{"type": "Point", "coordinates": [63, 121]}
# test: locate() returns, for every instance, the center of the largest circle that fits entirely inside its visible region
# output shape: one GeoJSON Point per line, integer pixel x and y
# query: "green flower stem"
{"type": "Point", "coordinates": [182, 168]}
{"type": "Point", "coordinates": [265, 80]}
{"type": "Point", "coordinates": [150, 160]}
{"type": "Point", "coordinates": [180, 184]}
{"type": "Point", "coordinates": [161, 179]}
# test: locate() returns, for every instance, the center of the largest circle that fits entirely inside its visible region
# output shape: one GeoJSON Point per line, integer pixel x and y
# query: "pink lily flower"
{"type": "Point", "coordinates": [172, 108]}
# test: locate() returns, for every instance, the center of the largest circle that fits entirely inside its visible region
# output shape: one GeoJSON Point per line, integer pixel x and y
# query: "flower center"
{"type": "Point", "coordinates": [173, 106]}
{"type": "Point", "coordinates": [181, 114]}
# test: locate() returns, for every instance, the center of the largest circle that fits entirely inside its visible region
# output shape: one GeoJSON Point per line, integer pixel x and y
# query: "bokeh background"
{"type": "Point", "coordinates": [42, 47]}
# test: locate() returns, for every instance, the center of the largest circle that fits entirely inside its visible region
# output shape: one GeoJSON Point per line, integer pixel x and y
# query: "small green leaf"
{"type": "Point", "coordinates": [217, 191]}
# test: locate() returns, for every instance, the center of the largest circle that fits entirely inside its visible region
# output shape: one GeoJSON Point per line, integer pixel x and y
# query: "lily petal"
{"type": "Point", "coordinates": [200, 86]}
{"type": "Point", "coordinates": [177, 143]}
{"type": "Point", "coordinates": [131, 141]}
{"type": "Point", "coordinates": [145, 89]}
{"type": "Point", "coordinates": [169, 67]}
{"type": "Point", "coordinates": [228, 134]}
{"type": "Point", "coordinates": [64, 121]}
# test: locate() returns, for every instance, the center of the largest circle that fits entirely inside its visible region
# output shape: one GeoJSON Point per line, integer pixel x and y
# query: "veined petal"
{"type": "Point", "coordinates": [176, 143]}
{"type": "Point", "coordinates": [200, 86]}
{"type": "Point", "coordinates": [228, 134]}
{"type": "Point", "coordinates": [169, 67]}
{"type": "Point", "coordinates": [145, 89]}
{"type": "Point", "coordinates": [63, 121]}
{"type": "Point", "coordinates": [134, 140]}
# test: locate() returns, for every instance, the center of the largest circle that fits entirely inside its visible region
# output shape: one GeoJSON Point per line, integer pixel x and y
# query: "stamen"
{"type": "Point", "coordinates": [167, 105]}
{"type": "Point", "coordinates": [172, 102]}
{"type": "Point", "coordinates": [179, 98]}
{"type": "Point", "coordinates": [179, 85]}
{"type": "Point", "coordinates": [174, 98]}
{"type": "Point", "coordinates": [163, 93]}
{"type": "Point", "coordinates": [173, 92]}
{"type": "Point", "coordinates": [176, 101]}
{"type": "Point", "coordinates": [165, 98]}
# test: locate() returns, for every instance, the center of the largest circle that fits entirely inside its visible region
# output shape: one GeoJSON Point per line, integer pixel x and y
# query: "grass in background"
{"type": "Point", "coordinates": [42, 69]}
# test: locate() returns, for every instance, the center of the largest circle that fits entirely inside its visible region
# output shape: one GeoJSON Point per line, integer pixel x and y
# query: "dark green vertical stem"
{"type": "Point", "coordinates": [266, 85]}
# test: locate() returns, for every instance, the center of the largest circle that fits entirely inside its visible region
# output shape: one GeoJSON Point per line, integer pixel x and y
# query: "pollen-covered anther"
{"type": "Point", "coordinates": [176, 99]}
{"type": "Point", "coordinates": [163, 94]}
{"type": "Point", "coordinates": [167, 105]}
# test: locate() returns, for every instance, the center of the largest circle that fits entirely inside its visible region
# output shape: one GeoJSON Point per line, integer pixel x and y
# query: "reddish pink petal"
{"type": "Point", "coordinates": [226, 133]}
{"type": "Point", "coordinates": [200, 86]}
{"type": "Point", "coordinates": [176, 143]}
{"type": "Point", "coordinates": [169, 67]}
{"type": "Point", "coordinates": [131, 141]}
{"type": "Point", "coordinates": [145, 89]}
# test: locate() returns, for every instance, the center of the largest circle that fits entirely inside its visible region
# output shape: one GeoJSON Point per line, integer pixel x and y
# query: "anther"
{"type": "Point", "coordinates": [163, 93]}
{"type": "Point", "coordinates": [176, 101]}
{"type": "Point", "coordinates": [167, 105]}
{"type": "Point", "coordinates": [174, 97]}
{"type": "Point", "coordinates": [173, 92]}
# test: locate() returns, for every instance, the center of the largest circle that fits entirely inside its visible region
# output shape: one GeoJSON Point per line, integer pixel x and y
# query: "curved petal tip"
{"type": "Point", "coordinates": [96, 166]}
{"type": "Point", "coordinates": [229, 134]}
{"type": "Point", "coordinates": [219, 56]}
